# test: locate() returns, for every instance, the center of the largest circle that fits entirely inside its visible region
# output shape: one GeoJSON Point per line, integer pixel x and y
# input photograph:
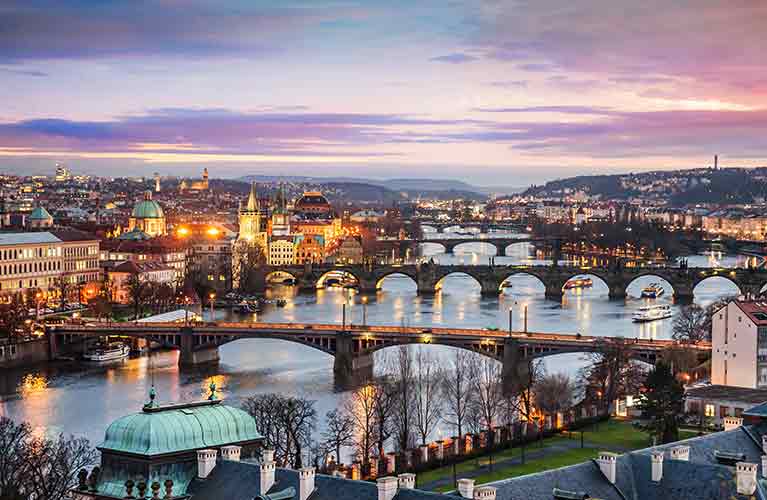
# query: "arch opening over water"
{"type": "Point", "coordinates": [715, 287]}
{"type": "Point", "coordinates": [635, 287]}
{"type": "Point", "coordinates": [338, 278]}
{"type": "Point", "coordinates": [586, 283]}
{"type": "Point", "coordinates": [476, 247]}
{"type": "Point", "coordinates": [397, 281]}
{"type": "Point", "coordinates": [460, 281]}
{"type": "Point", "coordinates": [522, 283]}
{"type": "Point", "coordinates": [280, 278]}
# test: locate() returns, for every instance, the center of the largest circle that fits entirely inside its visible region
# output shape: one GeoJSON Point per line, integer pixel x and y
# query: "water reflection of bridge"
{"type": "Point", "coordinates": [353, 346]}
{"type": "Point", "coordinates": [429, 277]}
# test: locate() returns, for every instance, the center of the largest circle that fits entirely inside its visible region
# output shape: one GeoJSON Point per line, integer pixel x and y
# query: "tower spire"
{"type": "Point", "coordinates": [252, 205]}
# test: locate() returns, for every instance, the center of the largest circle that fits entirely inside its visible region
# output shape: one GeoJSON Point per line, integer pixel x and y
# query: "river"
{"type": "Point", "coordinates": [82, 400]}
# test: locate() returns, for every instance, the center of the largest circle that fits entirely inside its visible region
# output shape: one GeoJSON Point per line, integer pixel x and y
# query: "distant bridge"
{"type": "Point", "coordinates": [352, 346]}
{"type": "Point", "coordinates": [501, 243]}
{"type": "Point", "coordinates": [429, 277]}
{"type": "Point", "coordinates": [483, 226]}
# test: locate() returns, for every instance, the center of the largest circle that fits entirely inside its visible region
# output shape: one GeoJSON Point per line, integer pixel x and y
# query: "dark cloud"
{"type": "Point", "coordinates": [454, 58]}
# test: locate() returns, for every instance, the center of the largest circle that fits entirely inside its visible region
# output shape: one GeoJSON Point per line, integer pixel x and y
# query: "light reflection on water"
{"type": "Point", "coordinates": [82, 400]}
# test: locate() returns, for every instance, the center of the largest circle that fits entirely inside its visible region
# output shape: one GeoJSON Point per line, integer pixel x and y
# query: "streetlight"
{"type": "Point", "coordinates": [364, 310]}
{"type": "Point", "coordinates": [212, 298]}
{"type": "Point", "coordinates": [186, 310]}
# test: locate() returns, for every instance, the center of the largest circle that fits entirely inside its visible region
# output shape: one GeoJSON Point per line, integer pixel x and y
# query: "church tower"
{"type": "Point", "coordinates": [205, 178]}
{"type": "Point", "coordinates": [250, 219]}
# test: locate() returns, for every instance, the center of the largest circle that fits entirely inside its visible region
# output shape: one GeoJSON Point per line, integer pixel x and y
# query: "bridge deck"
{"type": "Point", "coordinates": [249, 329]}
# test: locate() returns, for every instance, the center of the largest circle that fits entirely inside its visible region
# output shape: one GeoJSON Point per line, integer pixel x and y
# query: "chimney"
{"type": "Point", "coordinates": [657, 465]}
{"type": "Point", "coordinates": [608, 464]}
{"type": "Point", "coordinates": [387, 487]}
{"type": "Point", "coordinates": [231, 453]}
{"type": "Point", "coordinates": [731, 423]}
{"type": "Point", "coordinates": [484, 493]}
{"type": "Point", "coordinates": [681, 452]}
{"type": "Point", "coordinates": [267, 470]}
{"type": "Point", "coordinates": [406, 481]}
{"type": "Point", "coordinates": [745, 474]}
{"type": "Point", "coordinates": [305, 482]}
{"type": "Point", "coordinates": [466, 488]}
{"type": "Point", "coordinates": [206, 462]}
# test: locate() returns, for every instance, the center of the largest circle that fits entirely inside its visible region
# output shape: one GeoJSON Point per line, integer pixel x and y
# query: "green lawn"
{"type": "Point", "coordinates": [614, 435]}
{"type": "Point", "coordinates": [562, 459]}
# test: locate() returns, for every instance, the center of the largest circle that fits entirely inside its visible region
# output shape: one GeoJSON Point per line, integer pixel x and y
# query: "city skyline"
{"type": "Point", "coordinates": [506, 93]}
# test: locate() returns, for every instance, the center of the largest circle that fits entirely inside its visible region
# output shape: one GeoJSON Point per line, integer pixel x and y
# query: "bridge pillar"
{"type": "Point", "coordinates": [490, 287]}
{"type": "Point", "coordinates": [617, 290]}
{"type": "Point", "coordinates": [189, 356]}
{"type": "Point", "coordinates": [350, 367]}
{"type": "Point", "coordinates": [367, 286]}
{"type": "Point", "coordinates": [306, 284]}
{"type": "Point", "coordinates": [449, 249]}
{"type": "Point", "coordinates": [53, 345]}
{"type": "Point", "coordinates": [515, 373]}
{"type": "Point", "coordinates": [500, 250]}
{"type": "Point", "coordinates": [554, 291]}
{"type": "Point", "coordinates": [683, 293]}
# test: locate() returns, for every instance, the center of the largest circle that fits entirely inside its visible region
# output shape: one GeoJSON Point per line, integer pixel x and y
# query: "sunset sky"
{"type": "Point", "coordinates": [491, 92]}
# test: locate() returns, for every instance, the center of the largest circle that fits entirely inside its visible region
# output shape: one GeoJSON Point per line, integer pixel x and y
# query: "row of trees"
{"type": "Point", "coordinates": [407, 406]}
{"type": "Point", "coordinates": [35, 467]}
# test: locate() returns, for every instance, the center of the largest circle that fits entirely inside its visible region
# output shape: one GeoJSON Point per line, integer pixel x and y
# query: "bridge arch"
{"type": "Point", "coordinates": [278, 276]}
{"type": "Point", "coordinates": [505, 280]}
{"type": "Point", "coordinates": [666, 281]}
{"type": "Point", "coordinates": [586, 273]}
{"type": "Point", "coordinates": [491, 349]}
{"type": "Point", "coordinates": [324, 344]}
{"type": "Point", "coordinates": [464, 272]}
{"type": "Point", "coordinates": [339, 273]}
{"type": "Point", "coordinates": [395, 272]}
{"type": "Point", "coordinates": [479, 240]}
{"type": "Point", "coordinates": [423, 245]}
{"type": "Point", "coordinates": [717, 277]}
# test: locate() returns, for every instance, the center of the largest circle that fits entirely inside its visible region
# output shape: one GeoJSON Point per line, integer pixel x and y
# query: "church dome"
{"type": "Point", "coordinates": [180, 428]}
{"type": "Point", "coordinates": [39, 213]}
{"type": "Point", "coordinates": [148, 208]}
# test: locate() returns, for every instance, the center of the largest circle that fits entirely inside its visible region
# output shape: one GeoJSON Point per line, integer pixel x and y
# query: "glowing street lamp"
{"type": "Point", "coordinates": [212, 298]}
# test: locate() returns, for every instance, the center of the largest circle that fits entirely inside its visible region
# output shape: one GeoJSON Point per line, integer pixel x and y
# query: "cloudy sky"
{"type": "Point", "coordinates": [492, 92]}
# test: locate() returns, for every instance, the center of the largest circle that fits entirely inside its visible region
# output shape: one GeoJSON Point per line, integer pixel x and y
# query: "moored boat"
{"type": "Point", "coordinates": [578, 282]}
{"type": "Point", "coordinates": [652, 313]}
{"type": "Point", "coordinates": [652, 291]}
{"type": "Point", "coordinates": [107, 352]}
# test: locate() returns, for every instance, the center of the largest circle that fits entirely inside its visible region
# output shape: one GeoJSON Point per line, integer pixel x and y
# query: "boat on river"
{"type": "Point", "coordinates": [107, 352]}
{"type": "Point", "coordinates": [652, 313]}
{"type": "Point", "coordinates": [578, 282]}
{"type": "Point", "coordinates": [652, 291]}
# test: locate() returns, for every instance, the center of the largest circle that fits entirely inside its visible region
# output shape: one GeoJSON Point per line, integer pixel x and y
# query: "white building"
{"type": "Point", "coordinates": [281, 251]}
{"type": "Point", "coordinates": [739, 345]}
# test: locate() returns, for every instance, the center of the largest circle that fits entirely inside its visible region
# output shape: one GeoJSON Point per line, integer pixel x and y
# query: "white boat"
{"type": "Point", "coordinates": [653, 291]}
{"type": "Point", "coordinates": [652, 313]}
{"type": "Point", "coordinates": [109, 352]}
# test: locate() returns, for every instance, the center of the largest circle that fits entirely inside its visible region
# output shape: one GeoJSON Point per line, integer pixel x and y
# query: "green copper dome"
{"type": "Point", "coordinates": [39, 213]}
{"type": "Point", "coordinates": [148, 209]}
{"type": "Point", "coordinates": [179, 428]}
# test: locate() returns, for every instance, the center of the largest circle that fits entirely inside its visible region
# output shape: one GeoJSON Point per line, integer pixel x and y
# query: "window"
{"type": "Point", "coordinates": [724, 411]}
{"type": "Point", "coordinates": [710, 410]}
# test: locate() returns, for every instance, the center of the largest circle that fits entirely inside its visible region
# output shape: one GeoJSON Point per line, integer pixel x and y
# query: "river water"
{"type": "Point", "coordinates": [82, 400]}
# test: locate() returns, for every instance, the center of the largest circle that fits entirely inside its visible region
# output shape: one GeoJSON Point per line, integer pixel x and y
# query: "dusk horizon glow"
{"type": "Point", "coordinates": [491, 92]}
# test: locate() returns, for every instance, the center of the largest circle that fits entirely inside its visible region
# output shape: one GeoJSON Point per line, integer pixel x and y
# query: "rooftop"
{"type": "Point", "coordinates": [729, 393]}
{"type": "Point", "coordinates": [755, 310]}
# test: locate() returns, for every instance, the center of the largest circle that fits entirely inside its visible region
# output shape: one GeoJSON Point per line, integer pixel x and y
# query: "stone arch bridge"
{"type": "Point", "coordinates": [353, 346]}
{"type": "Point", "coordinates": [428, 277]}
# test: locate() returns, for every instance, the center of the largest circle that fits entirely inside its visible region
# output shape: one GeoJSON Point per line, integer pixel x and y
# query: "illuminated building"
{"type": "Point", "coordinates": [310, 249]}
{"type": "Point", "coordinates": [39, 219]}
{"type": "Point", "coordinates": [350, 251]}
{"type": "Point", "coordinates": [280, 223]}
{"type": "Point", "coordinates": [195, 184]}
{"type": "Point", "coordinates": [281, 251]}
{"type": "Point", "coordinates": [37, 260]}
{"type": "Point", "coordinates": [119, 274]}
{"type": "Point", "coordinates": [313, 203]}
{"type": "Point", "coordinates": [62, 173]}
{"type": "Point", "coordinates": [250, 221]}
{"type": "Point", "coordinates": [168, 251]}
{"type": "Point", "coordinates": [148, 217]}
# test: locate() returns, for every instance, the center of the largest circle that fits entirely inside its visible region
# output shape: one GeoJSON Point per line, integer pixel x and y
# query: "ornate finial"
{"type": "Point", "coordinates": [152, 395]}
{"type": "Point", "coordinates": [212, 388]}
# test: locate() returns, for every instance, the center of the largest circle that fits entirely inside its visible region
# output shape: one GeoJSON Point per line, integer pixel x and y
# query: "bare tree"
{"type": "Point", "coordinates": [137, 292]}
{"type": "Point", "coordinates": [427, 401]}
{"type": "Point", "coordinates": [457, 389]}
{"type": "Point", "coordinates": [361, 406]}
{"type": "Point", "coordinates": [287, 424]}
{"type": "Point", "coordinates": [553, 393]}
{"type": "Point", "coordinates": [691, 324]}
{"type": "Point", "coordinates": [52, 465]}
{"type": "Point", "coordinates": [404, 419]}
{"type": "Point", "coordinates": [39, 468]}
{"type": "Point", "coordinates": [525, 401]}
{"type": "Point", "coordinates": [13, 314]}
{"type": "Point", "coordinates": [384, 405]}
{"type": "Point", "coordinates": [488, 389]}
{"type": "Point", "coordinates": [338, 433]}
{"type": "Point", "coordinates": [611, 374]}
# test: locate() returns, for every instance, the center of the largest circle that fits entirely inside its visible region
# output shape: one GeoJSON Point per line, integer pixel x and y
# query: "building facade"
{"type": "Point", "coordinates": [148, 217]}
{"type": "Point", "coordinates": [739, 345]}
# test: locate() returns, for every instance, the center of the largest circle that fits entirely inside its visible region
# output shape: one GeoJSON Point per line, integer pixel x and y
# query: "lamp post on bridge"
{"type": "Point", "coordinates": [211, 298]}
{"type": "Point", "coordinates": [364, 310]}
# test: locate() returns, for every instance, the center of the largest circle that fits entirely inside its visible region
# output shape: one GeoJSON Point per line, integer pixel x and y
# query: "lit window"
{"type": "Point", "coordinates": [710, 410]}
